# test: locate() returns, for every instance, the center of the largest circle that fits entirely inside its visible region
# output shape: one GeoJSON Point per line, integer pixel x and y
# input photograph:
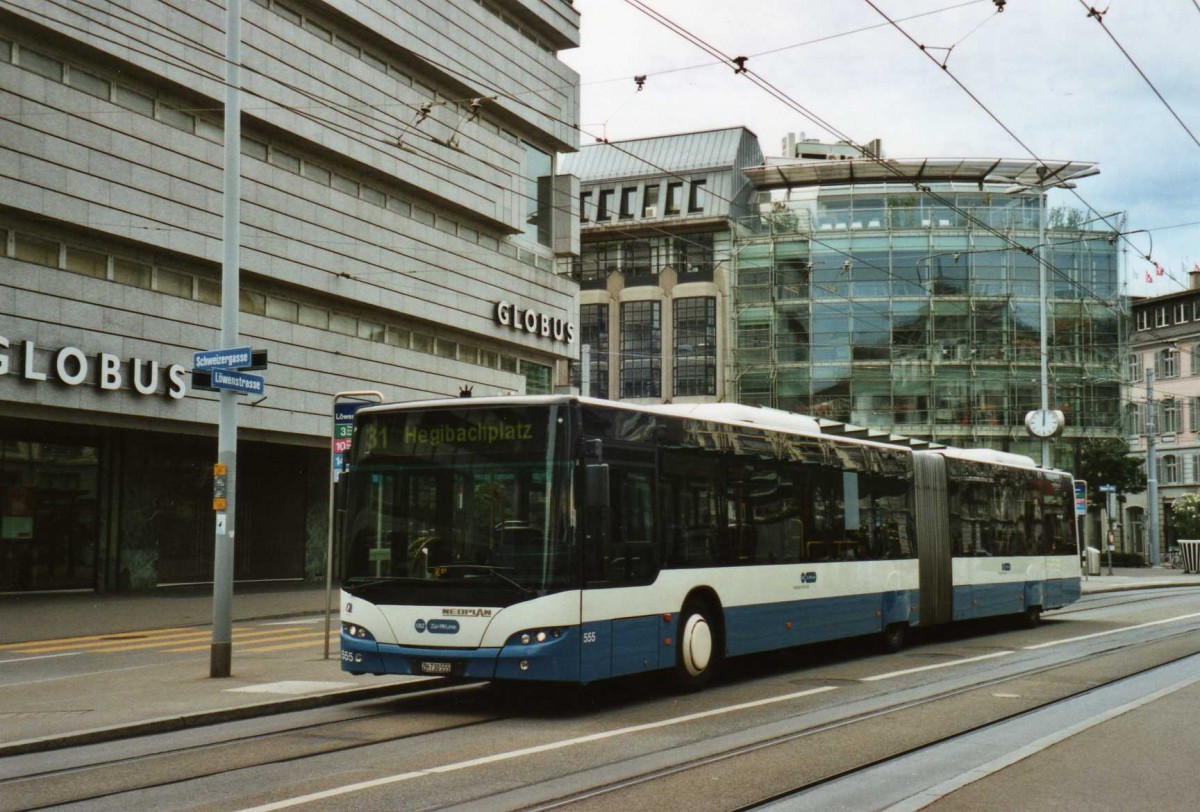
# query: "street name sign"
{"type": "Point", "coordinates": [234, 358]}
{"type": "Point", "coordinates": [242, 382]}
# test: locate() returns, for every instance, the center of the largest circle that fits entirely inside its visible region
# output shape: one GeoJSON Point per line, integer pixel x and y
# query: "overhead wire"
{"type": "Point", "coordinates": [1099, 17]}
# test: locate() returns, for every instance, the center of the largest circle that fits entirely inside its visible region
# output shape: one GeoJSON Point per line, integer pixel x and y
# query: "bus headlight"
{"type": "Point", "coordinates": [356, 631]}
{"type": "Point", "coordinates": [532, 636]}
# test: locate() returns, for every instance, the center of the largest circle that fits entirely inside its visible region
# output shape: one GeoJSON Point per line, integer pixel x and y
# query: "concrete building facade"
{"type": "Point", "coordinates": [656, 221]}
{"type": "Point", "coordinates": [402, 218]}
{"type": "Point", "coordinates": [1166, 342]}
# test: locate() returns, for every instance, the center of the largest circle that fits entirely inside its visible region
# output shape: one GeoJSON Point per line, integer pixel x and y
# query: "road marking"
{"type": "Point", "coordinates": [314, 641]}
{"type": "Point", "coordinates": [346, 789]}
{"type": "Point", "coordinates": [96, 637]}
{"type": "Point", "coordinates": [292, 686]}
{"type": "Point", "coordinates": [241, 641]}
{"type": "Point", "coordinates": [1113, 631]}
{"type": "Point", "coordinates": [906, 671]}
{"type": "Point", "coordinates": [40, 657]}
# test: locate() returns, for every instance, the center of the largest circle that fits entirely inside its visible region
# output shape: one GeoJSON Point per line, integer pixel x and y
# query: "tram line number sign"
{"type": "Point", "coordinates": [343, 431]}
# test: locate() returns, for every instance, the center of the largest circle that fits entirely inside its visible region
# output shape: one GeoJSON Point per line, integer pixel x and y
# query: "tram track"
{"type": "Point", "coordinates": [595, 797]}
{"type": "Point", "coordinates": [294, 744]}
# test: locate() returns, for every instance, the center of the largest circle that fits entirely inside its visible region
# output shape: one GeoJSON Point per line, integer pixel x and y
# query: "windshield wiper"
{"type": "Point", "coordinates": [490, 569]}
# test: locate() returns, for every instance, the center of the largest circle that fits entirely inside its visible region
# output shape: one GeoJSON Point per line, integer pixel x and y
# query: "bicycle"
{"type": "Point", "coordinates": [1174, 559]}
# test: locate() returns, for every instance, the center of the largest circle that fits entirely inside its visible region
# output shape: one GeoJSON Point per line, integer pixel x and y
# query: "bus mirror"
{"type": "Point", "coordinates": [597, 484]}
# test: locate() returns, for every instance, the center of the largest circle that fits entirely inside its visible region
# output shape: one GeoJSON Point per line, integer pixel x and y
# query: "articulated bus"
{"type": "Point", "coordinates": [568, 539]}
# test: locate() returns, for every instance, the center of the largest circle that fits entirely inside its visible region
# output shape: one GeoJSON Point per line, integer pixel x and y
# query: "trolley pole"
{"type": "Point", "coordinates": [221, 654]}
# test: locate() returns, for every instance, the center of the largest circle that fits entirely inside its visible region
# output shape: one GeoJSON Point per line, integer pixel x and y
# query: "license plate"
{"type": "Point", "coordinates": [430, 667]}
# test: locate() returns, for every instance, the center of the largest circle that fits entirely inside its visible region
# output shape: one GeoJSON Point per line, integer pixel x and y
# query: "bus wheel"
{"type": "Point", "coordinates": [893, 638]}
{"type": "Point", "coordinates": [1030, 618]}
{"type": "Point", "coordinates": [697, 653]}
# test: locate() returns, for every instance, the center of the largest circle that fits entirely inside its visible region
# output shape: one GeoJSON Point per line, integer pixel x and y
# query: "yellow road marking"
{"type": "Point", "coordinates": [284, 647]}
{"type": "Point", "coordinates": [242, 641]}
{"type": "Point", "coordinates": [61, 640]}
{"type": "Point", "coordinates": [104, 645]}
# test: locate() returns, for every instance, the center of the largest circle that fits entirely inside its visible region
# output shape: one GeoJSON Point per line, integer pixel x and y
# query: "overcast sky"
{"type": "Point", "coordinates": [1042, 67]}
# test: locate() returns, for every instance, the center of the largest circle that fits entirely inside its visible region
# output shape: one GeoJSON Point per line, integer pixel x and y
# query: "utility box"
{"type": "Point", "coordinates": [1092, 562]}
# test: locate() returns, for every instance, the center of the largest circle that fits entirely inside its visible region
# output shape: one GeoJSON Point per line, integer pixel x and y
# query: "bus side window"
{"type": "Point", "coordinates": [629, 553]}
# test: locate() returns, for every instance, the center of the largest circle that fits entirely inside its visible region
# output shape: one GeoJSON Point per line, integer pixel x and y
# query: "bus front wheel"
{"type": "Point", "coordinates": [699, 647]}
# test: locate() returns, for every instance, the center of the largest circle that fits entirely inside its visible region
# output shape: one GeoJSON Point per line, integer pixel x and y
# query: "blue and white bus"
{"type": "Point", "coordinates": [567, 539]}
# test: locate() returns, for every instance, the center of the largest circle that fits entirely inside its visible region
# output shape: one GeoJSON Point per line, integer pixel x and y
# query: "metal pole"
{"type": "Point", "coordinates": [585, 370]}
{"type": "Point", "coordinates": [1042, 308]}
{"type": "Point", "coordinates": [222, 631]}
{"type": "Point", "coordinates": [363, 395]}
{"type": "Point", "coordinates": [1151, 474]}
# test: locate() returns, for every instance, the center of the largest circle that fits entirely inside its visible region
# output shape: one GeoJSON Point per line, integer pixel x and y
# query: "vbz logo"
{"type": "Point", "coordinates": [1006, 567]}
{"type": "Point", "coordinates": [808, 577]}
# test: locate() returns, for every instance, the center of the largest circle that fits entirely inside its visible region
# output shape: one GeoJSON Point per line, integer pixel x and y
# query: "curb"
{"type": "Point", "coordinates": [171, 724]}
{"type": "Point", "coordinates": [1146, 585]}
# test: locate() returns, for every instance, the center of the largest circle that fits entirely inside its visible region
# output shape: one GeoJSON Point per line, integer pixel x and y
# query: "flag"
{"type": "Point", "coordinates": [1149, 278]}
{"type": "Point", "coordinates": [1158, 269]}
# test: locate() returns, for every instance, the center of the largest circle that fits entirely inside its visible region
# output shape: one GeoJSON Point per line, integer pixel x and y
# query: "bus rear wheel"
{"type": "Point", "coordinates": [698, 651]}
{"type": "Point", "coordinates": [1030, 618]}
{"type": "Point", "coordinates": [893, 638]}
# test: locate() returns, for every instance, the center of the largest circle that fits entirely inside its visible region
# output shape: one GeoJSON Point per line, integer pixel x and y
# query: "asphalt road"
{"type": "Point", "coordinates": [769, 726]}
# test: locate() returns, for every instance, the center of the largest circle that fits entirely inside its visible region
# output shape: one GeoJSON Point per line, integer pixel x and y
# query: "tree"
{"type": "Point", "coordinates": [1186, 512]}
{"type": "Point", "coordinates": [1108, 462]}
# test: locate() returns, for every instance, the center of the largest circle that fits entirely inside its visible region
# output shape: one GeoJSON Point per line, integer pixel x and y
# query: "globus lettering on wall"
{"type": "Point", "coordinates": [71, 366]}
{"type": "Point", "coordinates": [531, 321]}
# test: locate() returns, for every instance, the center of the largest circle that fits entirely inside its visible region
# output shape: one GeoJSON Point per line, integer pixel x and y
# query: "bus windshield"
{"type": "Point", "coordinates": [460, 505]}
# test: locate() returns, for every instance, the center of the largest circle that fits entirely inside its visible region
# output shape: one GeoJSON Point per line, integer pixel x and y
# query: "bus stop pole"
{"type": "Point", "coordinates": [362, 395]}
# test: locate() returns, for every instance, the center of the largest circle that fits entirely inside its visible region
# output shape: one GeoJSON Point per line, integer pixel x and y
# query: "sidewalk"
{"type": "Point", "coordinates": [76, 696]}
{"type": "Point", "coordinates": [64, 697]}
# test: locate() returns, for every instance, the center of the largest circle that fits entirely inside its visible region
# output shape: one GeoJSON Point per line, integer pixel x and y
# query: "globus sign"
{"type": "Point", "coordinates": [72, 366]}
{"type": "Point", "coordinates": [531, 321]}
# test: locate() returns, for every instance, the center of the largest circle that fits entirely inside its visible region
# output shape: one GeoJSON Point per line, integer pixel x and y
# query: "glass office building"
{"type": "Point", "coordinates": [904, 296]}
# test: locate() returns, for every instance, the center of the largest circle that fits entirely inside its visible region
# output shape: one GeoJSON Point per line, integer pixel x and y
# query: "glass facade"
{"type": "Point", "coordinates": [897, 311]}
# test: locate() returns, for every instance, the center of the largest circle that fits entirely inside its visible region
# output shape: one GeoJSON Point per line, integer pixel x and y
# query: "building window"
{"type": "Point", "coordinates": [696, 197]}
{"type": "Point", "coordinates": [1170, 417]}
{"type": "Point", "coordinates": [650, 201]}
{"type": "Point", "coordinates": [1143, 319]}
{"type": "Point", "coordinates": [536, 168]}
{"type": "Point", "coordinates": [628, 196]}
{"type": "Point", "coordinates": [674, 195]}
{"type": "Point", "coordinates": [604, 205]}
{"type": "Point", "coordinates": [637, 258]}
{"type": "Point", "coordinates": [693, 253]}
{"type": "Point", "coordinates": [1170, 469]}
{"type": "Point", "coordinates": [1181, 313]}
{"type": "Point", "coordinates": [593, 333]}
{"type": "Point", "coordinates": [1160, 316]}
{"type": "Point", "coordinates": [1195, 364]}
{"type": "Point", "coordinates": [585, 202]}
{"type": "Point", "coordinates": [695, 346]}
{"type": "Point", "coordinates": [641, 349]}
{"type": "Point", "coordinates": [1166, 363]}
{"type": "Point", "coordinates": [537, 378]}
{"type": "Point", "coordinates": [1194, 415]}
{"type": "Point", "coordinates": [1135, 368]}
